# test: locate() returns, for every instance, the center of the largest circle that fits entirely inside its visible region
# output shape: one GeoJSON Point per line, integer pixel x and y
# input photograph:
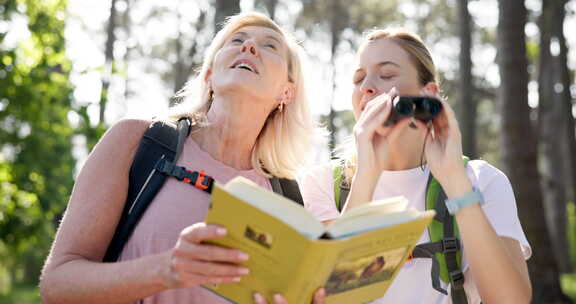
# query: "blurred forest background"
{"type": "Point", "coordinates": [70, 69]}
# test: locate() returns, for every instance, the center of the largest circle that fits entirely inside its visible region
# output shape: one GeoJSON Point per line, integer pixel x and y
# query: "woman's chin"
{"type": "Point", "coordinates": [240, 89]}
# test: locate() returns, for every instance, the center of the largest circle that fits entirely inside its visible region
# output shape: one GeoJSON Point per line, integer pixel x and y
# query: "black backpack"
{"type": "Point", "coordinates": [158, 150]}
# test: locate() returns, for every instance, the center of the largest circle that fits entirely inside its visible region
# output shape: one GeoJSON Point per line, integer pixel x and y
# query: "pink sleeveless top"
{"type": "Point", "coordinates": [177, 206]}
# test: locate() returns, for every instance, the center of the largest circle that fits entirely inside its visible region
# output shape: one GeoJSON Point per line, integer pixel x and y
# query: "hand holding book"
{"type": "Point", "coordinates": [191, 262]}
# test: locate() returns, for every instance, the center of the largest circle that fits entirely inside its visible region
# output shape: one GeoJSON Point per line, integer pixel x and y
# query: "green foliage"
{"type": "Point", "coordinates": [22, 294]}
{"type": "Point", "coordinates": [568, 281]}
{"type": "Point", "coordinates": [532, 51]}
{"type": "Point", "coordinates": [35, 137]}
{"type": "Point", "coordinates": [571, 232]}
{"type": "Point", "coordinates": [20, 218]}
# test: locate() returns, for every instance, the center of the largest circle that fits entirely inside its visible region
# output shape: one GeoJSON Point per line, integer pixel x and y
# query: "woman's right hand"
{"type": "Point", "coordinates": [191, 262]}
{"type": "Point", "coordinates": [372, 137]}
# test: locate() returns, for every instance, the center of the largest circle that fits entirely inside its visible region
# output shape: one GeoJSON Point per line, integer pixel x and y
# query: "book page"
{"type": "Point", "coordinates": [367, 263]}
{"type": "Point", "coordinates": [371, 216]}
{"type": "Point", "coordinates": [276, 205]}
{"type": "Point", "coordinates": [349, 227]}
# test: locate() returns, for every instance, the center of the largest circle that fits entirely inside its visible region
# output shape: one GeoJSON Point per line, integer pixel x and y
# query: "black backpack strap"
{"type": "Point", "coordinates": [457, 291]}
{"type": "Point", "coordinates": [162, 141]}
{"type": "Point", "coordinates": [287, 188]}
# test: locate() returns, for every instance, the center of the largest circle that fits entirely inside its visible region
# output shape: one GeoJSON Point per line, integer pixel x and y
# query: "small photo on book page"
{"type": "Point", "coordinates": [258, 236]}
{"type": "Point", "coordinates": [358, 272]}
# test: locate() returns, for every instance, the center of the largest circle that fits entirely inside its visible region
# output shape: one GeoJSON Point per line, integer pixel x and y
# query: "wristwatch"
{"type": "Point", "coordinates": [455, 204]}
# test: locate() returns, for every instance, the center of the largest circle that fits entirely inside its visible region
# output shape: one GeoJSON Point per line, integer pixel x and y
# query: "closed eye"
{"type": "Point", "coordinates": [270, 45]}
{"type": "Point", "coordinates": [237, 40]}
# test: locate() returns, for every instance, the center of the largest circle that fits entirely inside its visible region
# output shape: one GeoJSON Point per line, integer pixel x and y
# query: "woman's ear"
{"type": "Point", "coordinates": [207, 76]}
{"type": "Point", "coordinates": [288, 94]}
{"type": "Point", "coordinates": [432, 88]}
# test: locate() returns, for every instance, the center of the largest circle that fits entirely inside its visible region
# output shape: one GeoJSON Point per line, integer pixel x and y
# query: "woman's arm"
{"type": "Point", "coordinates": [74, 273]}
{"type": "Point", "coordinates": [372, 138]}
{"type": "Point", "coordinates": [496, 263]}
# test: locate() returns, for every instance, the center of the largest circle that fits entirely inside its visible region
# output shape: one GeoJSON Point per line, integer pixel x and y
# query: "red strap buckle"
{"type": "Point", "coordinates": [200, 181]}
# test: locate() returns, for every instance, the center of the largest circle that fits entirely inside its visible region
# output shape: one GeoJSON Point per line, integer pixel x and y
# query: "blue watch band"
{"type": "Point", "coordinates": [455, 204]}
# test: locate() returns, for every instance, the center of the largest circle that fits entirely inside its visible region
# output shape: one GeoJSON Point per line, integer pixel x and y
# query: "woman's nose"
{"type": "Point", "coordinates": [368, 88]}
{"type": "Point", "coordinates": [249, 46]}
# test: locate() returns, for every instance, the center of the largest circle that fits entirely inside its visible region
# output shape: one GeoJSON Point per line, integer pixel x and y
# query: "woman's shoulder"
{"type": "Point", "coordinates": [125, 132]}
{"type": "Point", "coordinates": [319, 170]}
{"type": "Point", "coordinates": [128, 129]}
{"type": "Point", "coordinates": [484, 172]}
{"type": "Point", "coordinates": [482, 166]}
{"type": "Point", "coordinates": [120, 140]}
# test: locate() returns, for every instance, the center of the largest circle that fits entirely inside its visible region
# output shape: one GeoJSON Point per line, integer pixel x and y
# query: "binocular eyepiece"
{"type": "Point", "coordinates": [423, 108]}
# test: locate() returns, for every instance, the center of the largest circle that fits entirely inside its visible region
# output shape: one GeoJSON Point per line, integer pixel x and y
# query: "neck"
{"type": "Point", "coordinates": [404, 154]}
{"type": "Point", "coordinates": [233, 128]}
{"type": "Point", "coordinates": [398, 160]}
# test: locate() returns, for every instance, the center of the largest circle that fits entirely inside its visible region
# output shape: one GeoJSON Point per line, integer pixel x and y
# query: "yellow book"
{"type": "Point", "coordinates": [355, 258]}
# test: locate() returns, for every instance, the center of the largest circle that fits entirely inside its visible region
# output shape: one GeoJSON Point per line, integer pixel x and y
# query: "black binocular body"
{"type": "Point", "coordinates": [423, 108]}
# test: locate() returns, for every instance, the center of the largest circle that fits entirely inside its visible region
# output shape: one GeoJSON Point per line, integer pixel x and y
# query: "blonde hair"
{"type": "Point", "coordinates": [422, 60]}
{"type": "Point", "coordinates": [283, 145]}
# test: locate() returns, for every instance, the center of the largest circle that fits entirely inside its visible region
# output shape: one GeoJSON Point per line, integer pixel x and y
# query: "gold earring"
{"type": "Point", "coordinates": [281, 106]}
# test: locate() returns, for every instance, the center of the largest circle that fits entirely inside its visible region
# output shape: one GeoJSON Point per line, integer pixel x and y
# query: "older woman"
{"type": "Point", "coordinates": [250, 119]}
{"type": "Point", "coordinates": [398, 159]}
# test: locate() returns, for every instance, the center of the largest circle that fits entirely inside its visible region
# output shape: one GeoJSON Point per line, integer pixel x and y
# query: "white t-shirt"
{"type": "Point", "coordinates": [413, 283]}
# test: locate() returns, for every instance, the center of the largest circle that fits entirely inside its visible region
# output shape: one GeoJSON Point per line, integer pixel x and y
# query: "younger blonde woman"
{"type": "Point", "coordinates": [387, 160]}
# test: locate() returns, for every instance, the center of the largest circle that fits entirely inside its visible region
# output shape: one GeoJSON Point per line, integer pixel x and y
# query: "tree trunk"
{"type": "Point", "coordinates": [566, 96]}
{"type": "Point", "coordinates": [338, 22]}
{"type": "Point", "coordinates": [519, 149]}
{"type": "Point", "coordinates": [466, 88]}
{"type": "Point", "coordinates": [553, 128]}
{"type": "Point", "coordinates": [271, 8]}
{"type": "Point", "coordinates": [566, 100]}
{"type": "Point", "coordinates": [109, 61]}
{"type": "Point", "coordinates": [178, 67]}
{"type": "Point", "coordinates": [127, 23]}
{"type": "Point", "coordinates": [225, 8]}
{"type": "Point", "coordinates": [185, 63]}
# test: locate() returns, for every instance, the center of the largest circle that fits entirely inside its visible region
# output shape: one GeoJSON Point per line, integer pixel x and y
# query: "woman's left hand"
{"type": "Point", "coordinates": [319, 298]}
{"type": "Point", "coordinates": [444, 150]}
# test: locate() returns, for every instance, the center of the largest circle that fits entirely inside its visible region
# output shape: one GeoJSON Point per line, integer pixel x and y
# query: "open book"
{"type": "Point", "coordinates": [355, 258]}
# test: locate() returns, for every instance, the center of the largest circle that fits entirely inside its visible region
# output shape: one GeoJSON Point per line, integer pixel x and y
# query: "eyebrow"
{"type": "Point", "coordinates": [380, 64]}
{"type": "Point", "coordinates": [384, 63]}
{"type": "Point", "coordinates": [244, 34]}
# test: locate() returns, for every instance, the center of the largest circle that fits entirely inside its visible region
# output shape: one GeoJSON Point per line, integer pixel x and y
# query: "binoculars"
{"type": "Point", "coordinates": [423, 108]}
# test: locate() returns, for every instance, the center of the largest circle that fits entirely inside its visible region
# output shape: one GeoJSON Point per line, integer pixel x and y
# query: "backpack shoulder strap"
{"type": "Point", "coordinates": [445, 238]}
{"type": "Point", "coordinates": [287, 188]}
{"type": "Point", "coordinates": [341, 189]}
{"type": "Point", "coordinates": [161, 141]}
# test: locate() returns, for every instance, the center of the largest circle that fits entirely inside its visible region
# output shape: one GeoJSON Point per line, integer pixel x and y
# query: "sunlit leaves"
{"type": "Point", "coordinates": [36, 172]}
